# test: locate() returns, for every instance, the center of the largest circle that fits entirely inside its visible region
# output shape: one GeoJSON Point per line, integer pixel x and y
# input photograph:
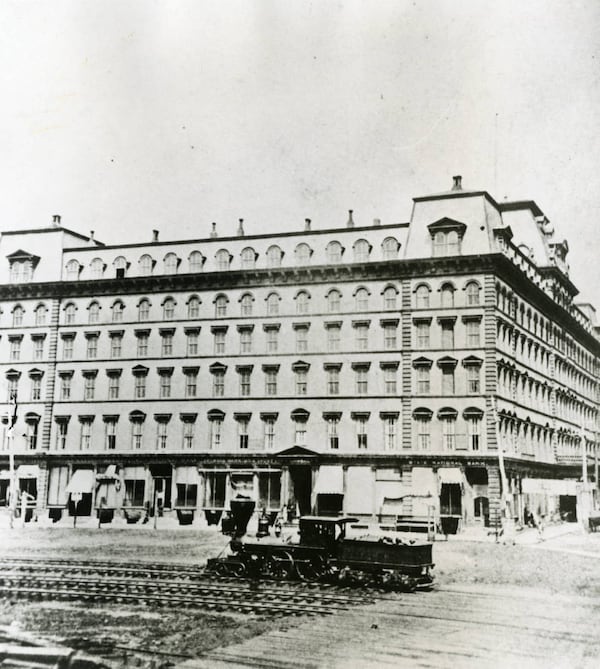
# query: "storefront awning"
{"type": "Point", "coordinates": [27, 471]}
{"type": "Point", "coordinates": [4, 474]}
{"type": "Point", "coordinates": [330, 480]}
{"type": "Point", "coordinates": [450, 475]}
{"type": "Point", "coordinates": [549, 486]}
{"type": "Point", "coordinates": [82, 481]}
{"type": "Point", "coordinates": [109, 475]}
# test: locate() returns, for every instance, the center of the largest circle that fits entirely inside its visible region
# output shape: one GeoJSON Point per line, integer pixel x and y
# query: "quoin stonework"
{"type": "Point", "coordinates": [377, 370]}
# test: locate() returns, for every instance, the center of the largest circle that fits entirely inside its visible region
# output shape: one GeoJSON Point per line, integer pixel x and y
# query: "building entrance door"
{"type": "Point", "coordinates": [300, 488]}
{"type": "Point", "coordinates": [162, 478]}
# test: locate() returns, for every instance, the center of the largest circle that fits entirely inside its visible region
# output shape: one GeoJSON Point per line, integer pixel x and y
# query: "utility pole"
{"type": "Point", "coordinates": [503, 479]}
{"type": "Point", "coordinates": [10, 439]}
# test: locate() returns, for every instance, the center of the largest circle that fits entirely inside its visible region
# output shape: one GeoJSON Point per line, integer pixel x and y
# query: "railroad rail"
{"type": "Point", "coordinates": [162, 585]}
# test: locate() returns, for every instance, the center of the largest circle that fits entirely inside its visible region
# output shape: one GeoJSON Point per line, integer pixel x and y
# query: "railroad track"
{"type": "Point", "coordinates": [160, 585]}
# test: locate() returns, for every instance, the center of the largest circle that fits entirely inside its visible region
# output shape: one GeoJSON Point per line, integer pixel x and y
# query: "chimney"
{"type": "Point", "coordinates": [307, 225]}
{"type": "Point", "coordinates": [376, 222]}
{"type": "Point", "coordinates": [457, 183]}
{"type": "Point", "coordinates": [56, 220]}
{"type": "Point", "coordinates": [213, 232]}
{"type": "Point", "coordinates": [240, 230]}
{"type": "Point", "coordinates": [92, 232]}
{"type": "Point", "coordinates": [350, 223]}
{"type": "Point", "coordinates": [154, 235]}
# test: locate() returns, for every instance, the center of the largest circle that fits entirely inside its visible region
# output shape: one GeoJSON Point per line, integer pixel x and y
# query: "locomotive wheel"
{"type": "Point", "coordinates": [238, 570]}
{"type": "Point", "coordinates": [311, 570]}
{"type": "Point", "coordinates": [280, 565]}
{"type": "Point", "coordinates": [222, 569]}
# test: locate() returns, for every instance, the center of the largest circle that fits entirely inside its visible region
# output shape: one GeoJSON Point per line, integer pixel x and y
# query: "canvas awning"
{"type": "Point", "coordinates": [450, 475]}
{"type": "Point", "coordinates": [549, 486]}
{"type": "Point", "coordinates": [82, 481]}
{"type": "Point", "coordinates": [109, 475]}
{"type": "Point", "coordinates": [27, 471]}
{"type": "Point", "coordinates": [330, 480]}
{"type": "Point", "coordinates": [4, 474]}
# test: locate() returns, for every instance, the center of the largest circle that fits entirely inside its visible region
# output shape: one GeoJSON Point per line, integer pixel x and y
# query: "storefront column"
{"type": "Point", "coordinates": [285, 486]}
{"type": "Point", "coordinates": [374, 513]}
{"type": "Point", "coordinates": [344, 489]}
{"type": "Point", "coordinates": [42, 488]}
{"type": "Point", "coordinates": [494, 495]}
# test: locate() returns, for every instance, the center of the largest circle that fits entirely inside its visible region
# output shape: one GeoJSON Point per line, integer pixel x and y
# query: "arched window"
{"type": "Point", "coordinates": [223, 259]}
{"type": "Point", "coordinates": [73, 269]}
{"type": "Point", "coordinates": [248, 258]}
{"type": "Point", "coordinates": [196, 261]}
{"type": "Point", "coordinates": [302, 300]}
{"type": "Point", "coordinates": [18, 312]}
{"type": "Point", "coordinates": [303, 253]}
{"type": "Point", "coordinates": [246, 304]}
{"type": "Point", "coordinates": [97, 268]}
{"type": "Point", "coordinates": [94, 312]}
{"type": "Point", "coordinates": [169, 309]}
{"type": "Point", "coordinates": [472, 290]}
{"type": "Point", "coordinates": [274, 256]}
{"type": "Point", "coordinates": [171, 263]}
{"type": "Point", "coordinates": [40, 314]}
{"type": "Point", "coordinates": [120, 267]}
{"type": "Point", "coordinates": [447, 295]}
{"type": "Point", "coordinates": [452, 243]}
{"type": "Point", "coordinates": [362, 249]}
{"type": "Point", "coordinates": [389, 297]}
{"type": "Point", "coordinates": [221, 306]}
{"type": "Point", "coordinates": [193, 306]}
{"type": "Point", "coordinates": [144, 309]}
{"type": "Point", "coordinates": [390, 248]}
{"type": "Point", "coordinates": [70, 313]}
{"type": "Point", "coordinates": [334, 301]}
{"type": "Point", "coordinates": [362, 299]}
{"type": "Point", "coordinates": [273, 304]}
{"type": "Point", "coordinates": [146, 265]}
{"type": "Point", "coordinates": [422, 296]}
{"type": "Point", "coordinates": [334, 252]}
{"type": "Point", "coordinates": [117, 311]}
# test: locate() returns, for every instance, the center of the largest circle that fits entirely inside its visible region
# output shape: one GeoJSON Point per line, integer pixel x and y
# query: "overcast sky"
{"type": "Point", "coordinates": [126, 116]}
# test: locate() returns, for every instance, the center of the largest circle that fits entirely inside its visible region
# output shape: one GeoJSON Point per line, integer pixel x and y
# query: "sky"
{"type": "Point", "coordinates": [125, 116]}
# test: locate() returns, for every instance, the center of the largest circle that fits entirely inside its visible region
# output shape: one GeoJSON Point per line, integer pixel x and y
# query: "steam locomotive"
{"type": "Point", "coordinates": [323, 552]}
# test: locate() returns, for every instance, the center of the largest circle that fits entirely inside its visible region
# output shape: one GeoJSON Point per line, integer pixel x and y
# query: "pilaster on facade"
{"type": "Point", "coordinates": [49, 398]}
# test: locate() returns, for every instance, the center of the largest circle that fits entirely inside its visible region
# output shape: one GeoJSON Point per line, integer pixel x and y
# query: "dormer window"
{"type": "Point", "coordinates": [274, 256]}
{"type": "Point", "coordinates": [22, 265]}
{"type": "Point", "coordinates": [390, 248]}
{"type": "Point", "coordinates": [196, 261]}
{"type": "Point", "coordinates": [97, 268]}
{"type": "Point", "coordinates": [146, 265]}
{"type": "Point", "coordinates": [334, 252]}
{"type": "Point", "coordinates": [223, 258]}
{"type": "Point", "coordinates": [121, 266]}
{"type": "Point", "coordinates": [171, 263]}
{"type": "Point", "coordinates": [446, 236]}
{"type": "Point", "coordinates": [303, 253]}
{"type": "Point", "coordinates": [249, 256]}
{"type": "Point", "coordinates": [362, 249]}
{"type": "Point", "coordinates": [73, 269]}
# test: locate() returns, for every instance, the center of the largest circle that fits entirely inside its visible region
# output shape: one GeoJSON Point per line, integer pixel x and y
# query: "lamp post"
{"type": "Point", "coordinates": [503, 480]}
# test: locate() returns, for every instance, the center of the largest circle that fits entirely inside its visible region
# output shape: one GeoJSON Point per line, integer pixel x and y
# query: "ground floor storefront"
{"type": "Point", "coordinates": [450, 491]}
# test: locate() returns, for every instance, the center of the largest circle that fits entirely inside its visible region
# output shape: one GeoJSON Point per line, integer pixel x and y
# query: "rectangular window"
{"type": "Point", "coordinates": [187, 495]}
{"type": "Point", "coordinates": [134, 492]}
{"type": "Point", "coordinates": [192, 343]}
{"type": "Point", "coordinates": [15, 349]}
{"type": "Point", "coordinates": [219, 342]}
{"type": "Point", "coordinates": [139, 388]}
{"type": "Point", "coordinates": [165, 386]}
{"type": "Point", "coordinates": [333, 338]}
{"type": "Point", "coordinates": [447, 334]}
{"type": "Point", "coordinates": [301, 382]}
{"type": "Point", "coordinates": [271, 382]}
{"type": "Point", "coordinates": [113, 386]}
{"type": "Point", "coordinates": [362, 381]}
{"type": "Point", "coordinates": [116, 343]}
{"type": "Point", "coordinates": [272, 340]}
{"type": "Point", "coordinates": [361, 433]}
{"type": "Point", "coordinates": [301, 340]}
{"type": "Point", "coordinates": [473, 385]}
{"type": "Point", "coordinates": [389, 336]}
{"type": "Point", "coordinates": [110, 435]}
{"type": "Point", "coordinates": [300, 433]}
{"type": "Point", "coordinates": [38, 348]}
{"type": "Point", "coordinates": [36, 388]}
{"type": "Point", "coordinates": [245, 375]}
{"type": "Point", "coordinates": [474, 432]}
{"type": "Point", "coordinates": [423, 383]}
{"type": "Point", "coordinates": [219, 383]}
{"type": "Point", "coordinates": [333, 439]}
{"type": "Point", "coordinates": [61, 434]}
{"type": "Point", "coordinates": [246, 341]}
{"type": "Point", "coordinates": [423, 328]}
{"type": "Point", "coordinates": [12, 387]}
{"type": "Point", "coordinates": [448, 381]}
{"type": "Point", "coordinates": [333, 381]}
{"type": "Point", "coordinates": [92, 346]}
{"type": "Point", "coordinates": [362, 337]}
{"type": "Point", "coordinates": [137, 432]}
{"type": "Point", "coordinates": [448, 433]}
{"type": "Point", "coordinates": [423, 434]}
{"type": "Point", "coordinates": [191, 383]}
{"type": "Point", "coordinates": [161, 434]}
{"type": "Point", "coordinates": [31, 435]}
{"type": "Point", "coordinates": [65, 387]}
{"type": "Point", "coordinates": [68, 348]}
{"type": "Point", "coordinates": [390, 424]}
{"type": "Point", "coordinates": [472, 328]}
{"type": "Point", "coordinates": [167, 344]}
{"type": "Point", "coordinates": [389, 379]}
{"type": "Point", "coordinates": [86, 435]}
{"type": "Point", "coordinates": [89, 387]}
{"type": "Point", "coordinates": [142, 344]}
{"type": "Point", "coordinates": [269, 432]}
{"type": "Point", "coordinates": [243, 433]}
{"type": "Point", "coordinates": [188, 434]}
{"type": "Point", "coordinates": [215, 433]}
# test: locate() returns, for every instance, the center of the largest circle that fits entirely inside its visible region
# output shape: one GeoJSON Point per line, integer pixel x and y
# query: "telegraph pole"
{"type": "Point", "coordinates": [10, 439]}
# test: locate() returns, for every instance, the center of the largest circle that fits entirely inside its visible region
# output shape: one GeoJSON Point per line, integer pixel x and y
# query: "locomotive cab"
{"type": "Point", "coordinates": [323, 531]}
